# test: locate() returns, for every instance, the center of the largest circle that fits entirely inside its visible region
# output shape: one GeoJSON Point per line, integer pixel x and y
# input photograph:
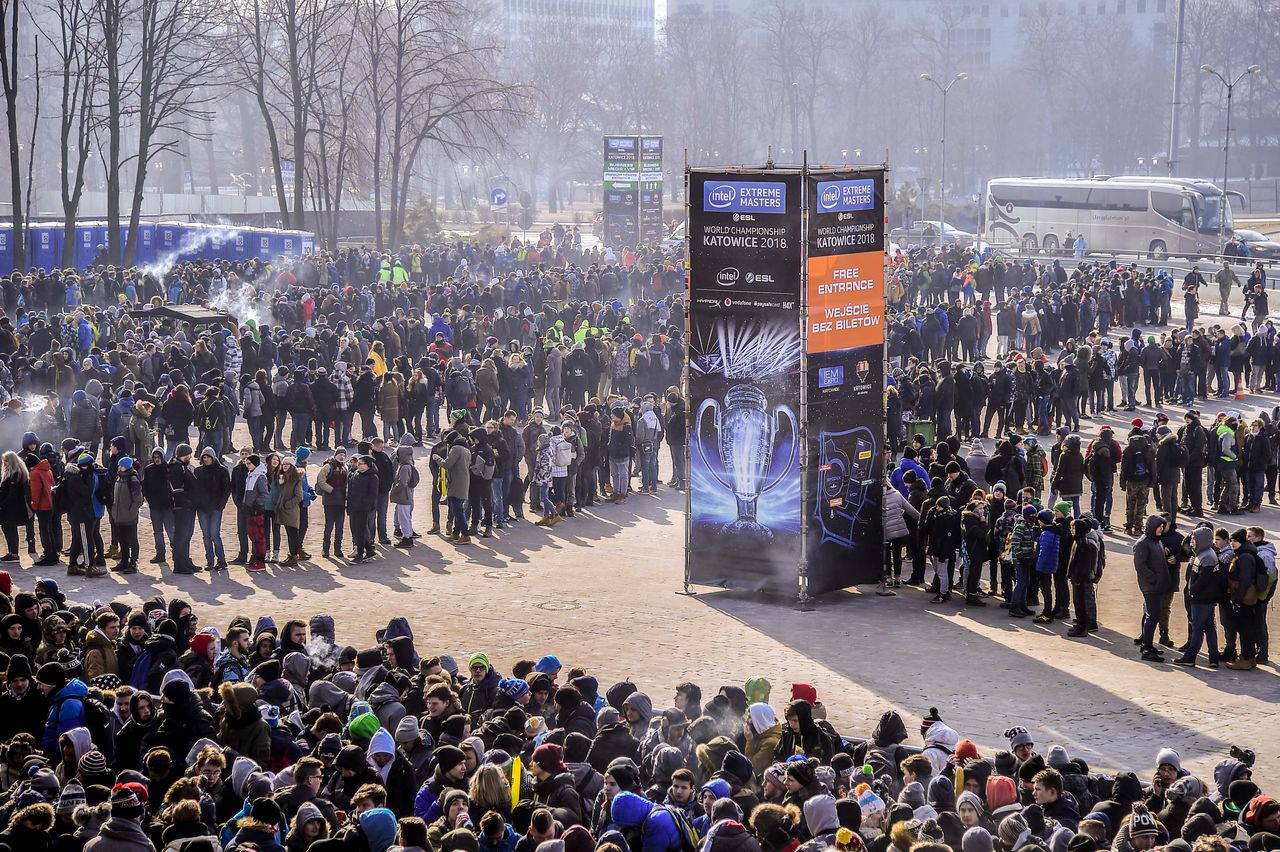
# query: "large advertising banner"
{"type": "Point", "coordinates": [844, 325]}
{"type": "Point", "coordinates": [744, 379]}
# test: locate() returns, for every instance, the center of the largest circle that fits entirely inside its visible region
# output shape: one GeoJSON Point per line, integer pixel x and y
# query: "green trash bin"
{"type": "Point", "coordinates": [922, 427]}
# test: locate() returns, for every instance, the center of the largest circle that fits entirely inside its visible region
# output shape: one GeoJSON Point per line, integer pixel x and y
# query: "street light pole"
{"type": "Point", "coordinates": [1226, 142]}
{"type": "Point", "coordinates": [942, 182]}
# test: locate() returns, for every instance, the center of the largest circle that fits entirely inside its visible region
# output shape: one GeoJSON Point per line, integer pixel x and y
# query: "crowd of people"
{"type": "Point", "coordinates": [128, 728]}
{"type": "Point", "coordinates": [1034, 510]}
{"type": "Point", "coordinates": [543, 379]}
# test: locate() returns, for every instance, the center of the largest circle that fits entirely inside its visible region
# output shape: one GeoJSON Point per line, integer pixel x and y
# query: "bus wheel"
{"type": "Point", "coordinates": [1029, 244]}
{"type": "Point", "coordinates": [1050, 244]}
{"type": "Point", "coordinates": [1158, 251]}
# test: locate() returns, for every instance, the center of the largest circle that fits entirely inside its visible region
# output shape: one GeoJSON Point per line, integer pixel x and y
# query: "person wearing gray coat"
{"type": "Point", "coordinates": [125, 505]}
{"type": "Point", "coordinates": [896, 533]}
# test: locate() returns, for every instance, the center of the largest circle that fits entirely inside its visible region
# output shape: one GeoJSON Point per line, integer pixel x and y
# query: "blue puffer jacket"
{"type": "Point", "coordinates": [658, 829]}
{"type": "Point", "coordinates": [66, 711]}
{"type": "Point", "coordinates": [1047, 559]}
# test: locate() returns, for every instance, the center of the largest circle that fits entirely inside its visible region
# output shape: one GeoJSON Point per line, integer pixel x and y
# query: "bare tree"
{"type": "Point", "coordinates": [10, 52]}
{"type": "Point", "coordinates": [335, 143]}
{"type": "Point", "coordinates": [76, 72]}
{"type": "Point", "coordinates": [175, 58]}
{"type": "Point", "coordinates": [438, 92]}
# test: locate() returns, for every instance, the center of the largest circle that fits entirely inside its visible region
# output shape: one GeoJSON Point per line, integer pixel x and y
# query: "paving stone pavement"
{"type": "Point", "coordinates": [601, 591]}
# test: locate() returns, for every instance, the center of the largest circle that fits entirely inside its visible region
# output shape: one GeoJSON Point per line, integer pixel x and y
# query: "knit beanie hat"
{"type": "Point", "coordinates": [801, 771]}
{"type": "Point", "coordinates": [868, 800]}
{"type": "Point", "coordinates": [977, 839]}
{"type": "Point", "coordinates": [447, 757]}
{"type": "Point", "coordinates": [1141, 822]}
{"type": "Point", "coordinates": [93, 762]}
{"type": "Point", "coordinates": [549, 758]}
{"type": "Point", "coordinates": [72, 795]}
{"type": "Point", "coordinates": [125, 802]}
{"type": "Point", "coordinates": [1013, 831]}
{"type": "Point", "coordinates": [913, 795]}
{"type": "Point", "coordinates": [1019, 735]}
{"type": "Point", "coordinates": [52, 674]}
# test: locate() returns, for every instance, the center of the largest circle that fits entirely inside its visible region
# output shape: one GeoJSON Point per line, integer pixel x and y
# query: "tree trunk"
{"type": "Point", "coordinates": [111, 40]}
{"type": "Point", "coordinates": [9, 48]}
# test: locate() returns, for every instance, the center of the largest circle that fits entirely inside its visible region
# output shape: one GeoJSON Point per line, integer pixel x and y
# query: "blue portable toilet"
{"type": "Point", "coordinates": [145, 252]}
{"type": "Point", "coordinates": [290, 243]}
{"type": "Point", "coordinates": [44, 246]}
{"type": "Point", "coordinates": [6, 250]}
{"type": "Point", "coordinates": [262, 243]}
{"type": "Point", "coordinates": [168, 239]}
{"type": "Point", "coordinates": [308, 243]}
{"type": "Point", "coordinates": [239, 244]}
{"type": "Point", "coordinates": [101, 235]}
{"type": "Point", "coordinates": [224, 243]}
{"type": "Point", "coordinates": [86, 244]}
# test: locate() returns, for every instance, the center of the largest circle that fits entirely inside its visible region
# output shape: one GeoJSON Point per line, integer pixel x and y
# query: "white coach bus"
{"type": "Point", "coordinates": [1153, 215]}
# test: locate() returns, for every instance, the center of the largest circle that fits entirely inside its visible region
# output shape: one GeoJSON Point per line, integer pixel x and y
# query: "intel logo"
{"type": "Point", "coordinates": [727, 277]}
{"type": "Point", "coordinates": [830, 197]}
{"type": "Point", "coordinates": [721, 196]}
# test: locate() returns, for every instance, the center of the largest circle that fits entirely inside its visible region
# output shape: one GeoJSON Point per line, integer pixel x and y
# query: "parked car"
{"type": "Point", "coordinates": [926, 231]}
{"type": "Point", "coordinates": [1259, 245]}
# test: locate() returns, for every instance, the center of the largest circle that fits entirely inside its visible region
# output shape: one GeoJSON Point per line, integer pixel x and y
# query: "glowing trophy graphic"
{"type": "Point", "coordinates": [745, 431]}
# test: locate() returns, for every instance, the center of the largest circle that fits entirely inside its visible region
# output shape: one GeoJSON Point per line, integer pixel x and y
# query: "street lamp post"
{"type": "Point", "coordinates": [1226, 141]}
{"type": "Point", "coordinates": [942, 182]}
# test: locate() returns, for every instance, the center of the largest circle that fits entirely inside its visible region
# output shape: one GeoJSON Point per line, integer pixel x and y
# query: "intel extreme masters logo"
{"type": "Point", "coordinates": [842, 196]}
{"type": "Point", "coordinates": [740, 196]}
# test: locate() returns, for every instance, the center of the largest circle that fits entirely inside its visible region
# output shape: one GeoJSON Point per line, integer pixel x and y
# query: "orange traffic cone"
{"type": "Point", "coordinates": [1240, 390]}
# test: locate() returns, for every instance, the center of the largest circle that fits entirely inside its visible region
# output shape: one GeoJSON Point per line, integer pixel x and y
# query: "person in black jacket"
{"type": "Point", "coordinates": [362, 499]}
{"type": "Point", "coordinates": [1068, 473]}
{"type": "Point", "coordinates": [239, 476]}
{"type": "Point", "coordinates": [1195, 441]}
{"type": "Point", "coordinates": [554, 786]}
{"type": "Point", "coordinates": [1242, 573]}
{"type": "Point", "coordinates": [78, 486]}
{"type": "Point", "coordinates": [386, 478]}
{"type": "Point", "coordinates": [213, 487]}
{"type": "Point", "coordinates": [944, 400]}
{"type": "Point", "coordinates": [1170, 458]}
{"type": "Point", "coordinates": [182, 485]}
{"type": "Point", "coordinates": [676, 430]}
{"type": "Point", "coordinates": [1205, 584]}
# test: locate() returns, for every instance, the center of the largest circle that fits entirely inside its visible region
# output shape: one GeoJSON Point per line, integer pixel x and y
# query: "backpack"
{"type": "Point", "coordinates": [1140, 471]}
{"type": "Point", "coordinates": [1102, 453]}
{"type": "Point", "coordinates": [97, 719]}
{"type": "Point", "coordinates": [481, 468]}
{"type": "Point", "coordinates": [688, 834]}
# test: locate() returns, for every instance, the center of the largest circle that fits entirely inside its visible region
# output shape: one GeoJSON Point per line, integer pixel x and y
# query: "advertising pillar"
{"type": "Point", "coordinates": [745, 443]}
{"type": "Point", "coordinates": [844, 337]}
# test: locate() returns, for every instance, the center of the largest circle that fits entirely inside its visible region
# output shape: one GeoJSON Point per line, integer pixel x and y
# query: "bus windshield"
{"type": "Point", "coordinates": [1207, 213]}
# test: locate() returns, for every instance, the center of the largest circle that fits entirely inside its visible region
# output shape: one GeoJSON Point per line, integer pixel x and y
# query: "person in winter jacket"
{"type": "Point", "coordinates": [124, 512]}
{"type": "Point", "coordinates": [1047, 562]}
{"type": "Point", "coordinates": [1242, 590]}
{"type": "Point", "coordinates": [1084, 569]}
{"type": "Point", "coordinates": [331, 484]}
{"type": "Point", "coordinates": [1205, 584]}
{"type": "Point", "coordinates": [655, 826]}
{"type": "Point", "coordinates": [213, 488]}
{"type": "Point", "coordinates": [1137, 472]}
{"type": "Point", "coordinates": [896, 532]}
{"type": "Point", "coordinates": [405, 480]}
{"type": "Point", "coordinates": [1150, 561]}
{"type": "Point", "coordinates": [940, 530]}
